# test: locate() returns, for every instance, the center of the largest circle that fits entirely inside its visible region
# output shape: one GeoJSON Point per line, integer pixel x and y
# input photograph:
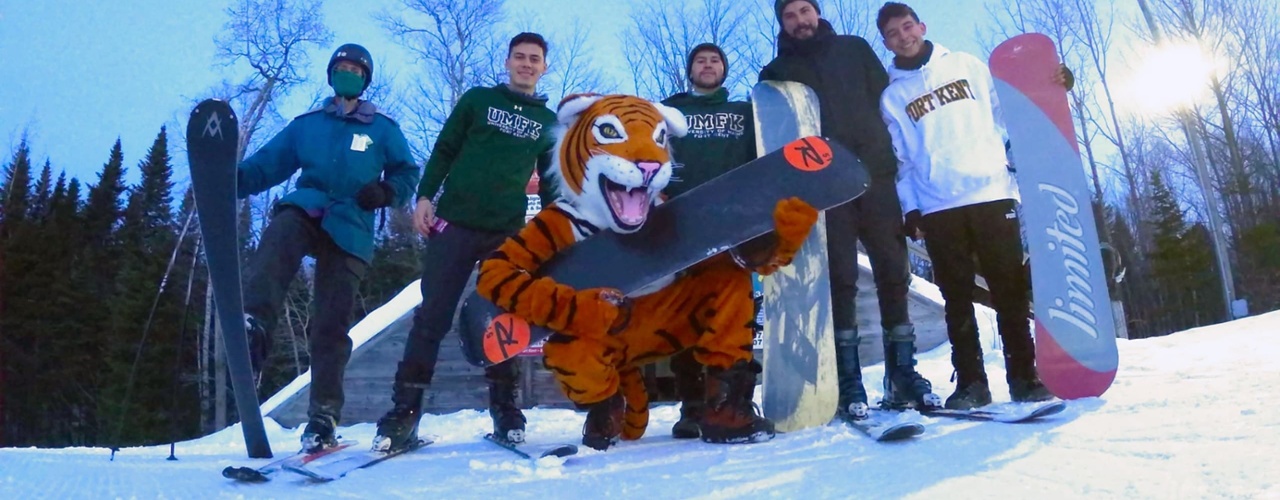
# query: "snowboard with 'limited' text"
{"type": "Point", "coordinates": [1074, 330]}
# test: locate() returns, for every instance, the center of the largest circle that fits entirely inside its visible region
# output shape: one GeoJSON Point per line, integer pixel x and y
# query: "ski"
{"type": "Point", "coordinates": [885, 425]}
{"type": "Point", "coordinates": [1008, 414]}
{"type": "Point", "coordinates": [212, 142]}
{"type": "Point", "coordinates": [555, 450]}
{"type": "Point", "coordinates": [264, 473]}
{"type": "Point", "coordinates": [338, 468]}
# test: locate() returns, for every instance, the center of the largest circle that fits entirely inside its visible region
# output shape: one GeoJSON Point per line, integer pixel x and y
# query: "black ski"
{"type": "Point", "coordinates": [555, 450]}
{"type": "Point", "coordinates": [212, 141]}
{"type": "Point", "coordinates": [264, 473]}
{"type": "Point", "coordinates": [341, 467]}
{"type": "Point", "coordinates": [1009, 414]}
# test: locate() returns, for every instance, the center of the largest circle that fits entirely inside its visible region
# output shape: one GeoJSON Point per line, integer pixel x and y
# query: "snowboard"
{"type": "Point", "coordinates": [533, 452]}
{"type": "Point", "coordinates": [213, 137]}
{"type": "Point", "coordinates": [1009, 414]}
{"type": "Point", "coordinates": [339, 468]}
{"type": "Point", "coordinates": [266, 472]}
{"type": "Point", "coordinates": [1074, 330]}
{"type": "Point", "coordinates": [725, 212]}
{"type": "Point", "coordinates": [799, 380]}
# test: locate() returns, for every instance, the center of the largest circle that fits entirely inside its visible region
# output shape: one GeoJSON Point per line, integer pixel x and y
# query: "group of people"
{"type": "Point", "coordinates": [928, 129]}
